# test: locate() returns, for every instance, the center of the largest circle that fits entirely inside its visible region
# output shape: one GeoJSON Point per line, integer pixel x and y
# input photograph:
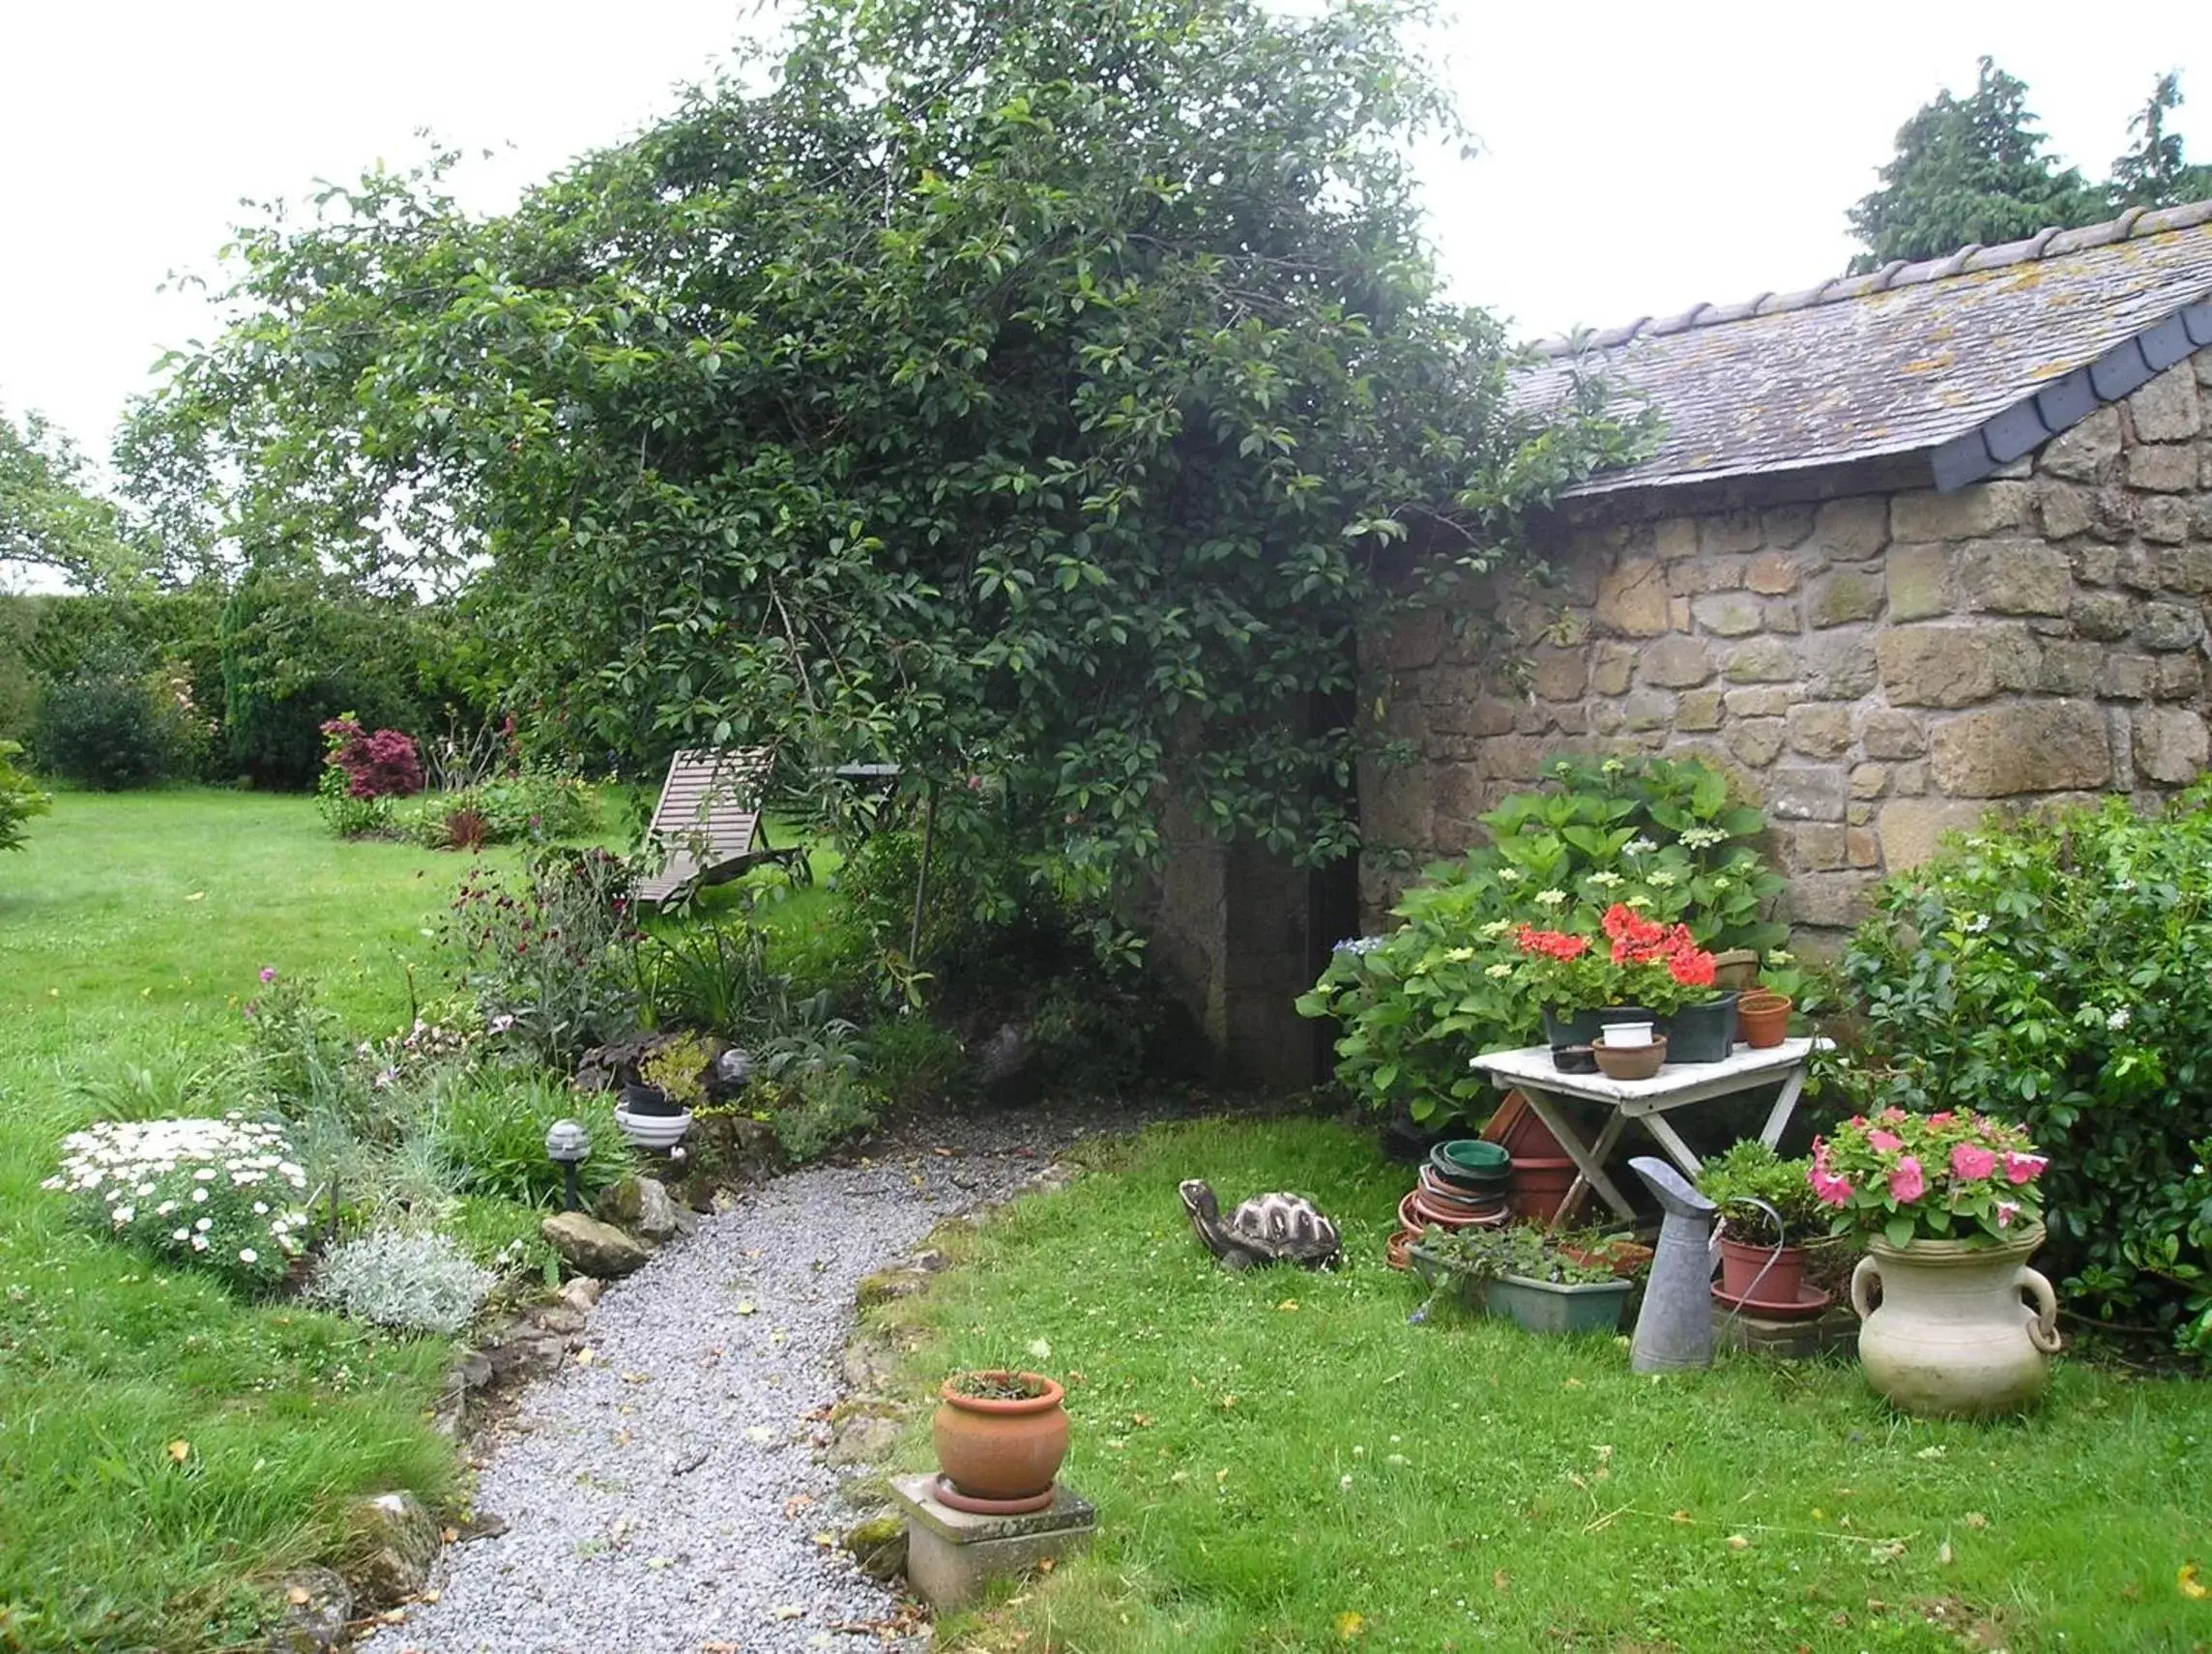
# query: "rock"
{"type": "Point", "coordinates": [2017, 577]}
{"type": "Point", "coordinates": [2171, 745]}
{"type": "Point", "coordinates": [2103, 616]}
{"type": "Point", "coordinates": [1804, 793]}
{"type": "Point", "coordinates": [870, 1367]}
{"type": "Point", "coordinates": [2082, 453]}
{"type": "Point", "coordinates": [582, 1293]}
{"type": "Point", "coordinates": [316, 1604]}
{"type": "Point", "coordinates": [929, 1259]}
{"type": "Point", "coordinates": [877, 1544]}
{"type": "Point", "coordinates": [1762, 660]}
{"type": "Point", "coordinates": [1676, 663]}
{"type": "Point", "coordinates": [396, 1543]}
{"type": "Point", "coordinates": [591, 1247]}
{"type": "Point", "coordinates": [472, 1369]}
{"type": "Point", "coordinates": [1918, 579]}
{"type": "Point", "coordinates": [1911, 828]}
{"type": "Point", "coordinates": [2168, 626]}
{"type": "Point", "coordinates": [640, 1206]}
{"type": "Point", "coordinates": [522, 1354]}
{"type": "Point", "coordinates": [2166, 469]}
{"type": "Point", "coordinates": [481, 1525]}
{"type": "Point", "coordinates": [1726, 614]}
{"type": "Point", "coordinates": [887, 1286]}
{"type": "Point", "coordinates": [1631, 599]}
{"type": "Point", "coordinates": [560, 1317]}
{"type": "Point", "coordinates": [2167, 409]}
{"type": "Point", "coordinates": [731, 1146]}
{"type": "Point", "coordinates": [1893, 735]}
{"type": "Point", "coordinates": [1853, 530]}
{"type": "Point", "coordinates": [1821, 729]}
{"type": "Point", "coordinates": [2054, 746]}
{"type": "Point", "coordinates": [1833, 901]}
{"type": "Point", "coordinates": [1985, 509]}
{"type": "Point", "coordinates": [864, 1439]}
{"type": "Point", "coordinates": [1841, 596]}
{"type": "Point", "coordinates": [1951, 665]}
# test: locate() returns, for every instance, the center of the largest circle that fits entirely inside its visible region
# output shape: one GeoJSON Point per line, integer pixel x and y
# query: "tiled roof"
{"type": "Point", "coordinates": [1976, 358]}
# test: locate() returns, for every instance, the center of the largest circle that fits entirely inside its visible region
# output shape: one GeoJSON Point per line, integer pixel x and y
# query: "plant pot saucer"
{"type": "Point", "coordinates": [1811, 1300]}
{"type": "Point", "coordinates": [941, 1489]}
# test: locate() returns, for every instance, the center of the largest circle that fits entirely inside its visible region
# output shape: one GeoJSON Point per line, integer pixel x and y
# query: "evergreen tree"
{"type": "Point", "coordinates": [2152, 172]}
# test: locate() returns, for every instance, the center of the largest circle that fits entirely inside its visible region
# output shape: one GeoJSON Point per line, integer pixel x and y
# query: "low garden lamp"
{"type": "Point", "coordinates": [569, 1145]}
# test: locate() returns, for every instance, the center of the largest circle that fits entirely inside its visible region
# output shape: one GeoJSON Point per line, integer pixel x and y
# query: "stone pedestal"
{"type": "Point", "coordinates": [1834, 1332]}
{"type": "Point", "coordinates": [950, 1555]}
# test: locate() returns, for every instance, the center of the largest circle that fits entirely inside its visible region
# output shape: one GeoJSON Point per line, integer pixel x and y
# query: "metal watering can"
{"type": "Point", "coordinates": [1675, 1329]}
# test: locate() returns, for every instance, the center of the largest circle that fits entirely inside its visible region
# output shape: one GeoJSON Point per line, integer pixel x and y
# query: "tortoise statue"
{"type": "Point", "coordinates": [1266, 1229]}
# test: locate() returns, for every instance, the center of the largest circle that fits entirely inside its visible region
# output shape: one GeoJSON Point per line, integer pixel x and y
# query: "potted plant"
{"type": "Point", "coordinates": [1524, 1275]}
{"type": "Point", "coordinates": [1665, 969]}
{"type": "Point", "coordinates": [1762, 1018]}
{"type": "Point", "coordinates": [1000, 1436]}
{"type": "Point", "coordinates": [1951, 1213]}
{"type": "Point", "coordinates": [657, 1112]}
{"type": "Point", "coordinates": [1575, 982]}
{"type": "Point", "coordinates": [1762, 1262]}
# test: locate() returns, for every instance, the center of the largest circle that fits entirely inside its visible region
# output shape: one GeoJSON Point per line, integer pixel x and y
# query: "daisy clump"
{"type": "Point", "coordinates": [223, 1193]}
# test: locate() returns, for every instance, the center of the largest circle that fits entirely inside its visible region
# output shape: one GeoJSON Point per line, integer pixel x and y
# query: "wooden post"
{"type": "Point", "coordinates": [921, 874]}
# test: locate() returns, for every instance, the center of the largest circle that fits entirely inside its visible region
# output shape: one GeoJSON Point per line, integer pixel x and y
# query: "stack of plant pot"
{"type": "Point", "coordinates": [1542, 1172]}
{"type": "Point", "coordinates": [1463, 1184]}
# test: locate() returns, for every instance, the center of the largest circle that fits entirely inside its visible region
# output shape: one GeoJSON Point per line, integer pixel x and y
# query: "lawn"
{"type": "Point", "coordinates": [129, 931]}
{"type": "Point", "coordinates": [1281, 1462]}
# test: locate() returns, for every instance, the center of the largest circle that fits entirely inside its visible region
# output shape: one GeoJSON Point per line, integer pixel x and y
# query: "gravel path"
{"type": "Point", "coordinates": [663, 1498]}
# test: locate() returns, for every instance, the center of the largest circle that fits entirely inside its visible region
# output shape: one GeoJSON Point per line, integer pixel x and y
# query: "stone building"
{"type": "Point", "coordinates": [1912, 545]}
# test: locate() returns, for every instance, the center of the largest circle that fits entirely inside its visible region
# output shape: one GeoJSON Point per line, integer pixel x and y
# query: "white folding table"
{"type": "Point", "coordinates": [1529, 1071]}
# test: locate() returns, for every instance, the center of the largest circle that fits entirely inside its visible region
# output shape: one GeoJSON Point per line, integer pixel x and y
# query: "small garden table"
{"type": "Point", "coordinates": [1530, 1072]}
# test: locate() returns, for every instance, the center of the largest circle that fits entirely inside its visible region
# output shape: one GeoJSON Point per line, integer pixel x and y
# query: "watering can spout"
{"type": "Point", "coordinates": [1676, 1328]}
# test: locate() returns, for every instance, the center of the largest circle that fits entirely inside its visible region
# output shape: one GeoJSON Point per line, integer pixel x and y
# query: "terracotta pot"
{"type": "Point", "coordinates": [1625, 1257]}
{"type": "Point", "coordinates": [1762, 1019]}
{"type": "Point", "coordinates": [1002, 1449]}
{"type": "Point", "coordinates": [1524, 1136]}
{"type": "Point", "coordinates": [1950, 1337]}
{"type": "Point", "coordinates": [1631, 1061]}
{"type": "Point", "coordinates": [1539, 1185]}
{"type": "Point", "coordinates": [1742, 1262]}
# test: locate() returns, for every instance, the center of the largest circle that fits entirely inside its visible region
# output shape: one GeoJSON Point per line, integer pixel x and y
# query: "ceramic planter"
{"type": "Point", "coordinates": [657, 1131]}
{"type": "Point", "coordinates": [1950, 1337]}
{"type": "Point", "coordinates": [1002, 1449]}
{"type": "Point", "coordinates": [1778, 1274]}
{"type": "Point", "coordinates": [1703, 1033]}
{"type": "Point", "coordinates": [1552, 1307]}
{"type": "Point", "coordinates": [649, 1100]}
{"type": "Point", "coordinates": [1633, 1061]}
{"type": "Point", "coordinates": [1762, 1019]}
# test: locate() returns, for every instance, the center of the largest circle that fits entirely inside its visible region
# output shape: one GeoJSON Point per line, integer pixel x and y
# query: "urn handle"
{"type": "Point", "coordinates": [1868, 1274]}
{"type": "Point", "coordinates": [2043, 1330]}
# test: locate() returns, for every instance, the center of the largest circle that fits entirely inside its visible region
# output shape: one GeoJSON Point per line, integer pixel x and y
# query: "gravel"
{"type": "Point", "coordinates": [664, 1496]}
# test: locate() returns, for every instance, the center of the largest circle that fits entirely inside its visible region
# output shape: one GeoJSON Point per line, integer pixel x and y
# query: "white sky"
{"type": "Point", "coordinates": [1637, 158]}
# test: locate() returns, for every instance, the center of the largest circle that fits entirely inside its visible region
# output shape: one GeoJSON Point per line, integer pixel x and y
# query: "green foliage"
{"type": "Point", "coordinates": [1487, 1254]}
{"type": "Point", "coordinates": [547, 957]}
{"type": "Point", "coordinates": [2152, 172]}
{"type": "Point", "coordinates": [2059, 974]}
{"type": "Point", "coordinates": [1449, 980]}
{"type": "Point", "coordinates": [1042, 390]}
{"type": "Point", "coordinates": [536, 806]}
{"type": "Point", "coordinates": [678, 1070]}
{"type": "Point", "coordinates": [50, 517]}
{"type": "Point", "coordinates": [108, 729]}
{"type": "Point", "coordinates": [814, 1110]}
{"type": "Point", "coordinates": [19, 800]}
{"type": "Point", "coordinates": [493, 1127]}
{"type": "Point", "coordinates": [1750, 1171]}
{"type": "Point", "coordinates": [911, 1060]}
{"type": "Point", "coordinates": [710, 974]}
{"type": "Point", "coordinates": [408, 1282]}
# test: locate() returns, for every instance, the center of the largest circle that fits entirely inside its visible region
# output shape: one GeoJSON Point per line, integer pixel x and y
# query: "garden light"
{"type": "Point", "coordinates": [569, 1145]}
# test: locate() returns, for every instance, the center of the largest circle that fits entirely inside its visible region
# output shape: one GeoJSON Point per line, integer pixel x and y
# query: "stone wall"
{"type": "Point", "coordinates": [1878, 664]}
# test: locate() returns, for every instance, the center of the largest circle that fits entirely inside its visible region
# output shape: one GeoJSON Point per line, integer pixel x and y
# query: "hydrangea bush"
{"type": "Point", "coordinates": [219, 1193]}
{"type": "Point", "coordinates": [1949, 1176]}
{"type": "Point", "coordinates": [1660, 838]}
{"type": "Point", "coordinates": [410, 1283]}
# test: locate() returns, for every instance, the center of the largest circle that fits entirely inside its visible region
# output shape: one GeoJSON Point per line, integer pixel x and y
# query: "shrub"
{"type": "Point", "coordinates": [708, 974]}
{"type": "Point", "coordinates": [538, 807]}
{"type": "Point", "coordinates": [1750, 1171]}
{"type": "Point", "coordinates": [550, 960]}
{"type": "Point", "coordinates": [1663, 838]}
{"type": "Point", "coordinates": [493, 1129]}
{"type": "Point", "coordinates": [815, 1110]}
{"type": "Point", "coordinates": [2059, 974]}
{"type": "Point", "coordinates": [380, 765]}
{"type": "Point", "coordinates": [107, 729]}
{"type": "Point", "coordinates": [409, 1283]}
{"type": "Point", "coordinates": [19, 800]}
{"type": "Point", "coordinates": [912, 1061]}
{"type": "Point", "coordinates": [217, 1193]}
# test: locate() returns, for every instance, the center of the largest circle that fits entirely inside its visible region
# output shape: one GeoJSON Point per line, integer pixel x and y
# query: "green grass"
{"type": "Point", "coordinates": [1273, 1453]}
{"type": "Point", "coordinates": [129, 931]}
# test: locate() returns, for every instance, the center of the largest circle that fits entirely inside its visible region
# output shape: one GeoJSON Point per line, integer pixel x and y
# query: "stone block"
{"type": "Point", "coordinates": [2129, 677]}
{"type": "Point", "coordinates": [2113, 513]}
{"type": "Point", "coordinates": [1631, 599]}
{"type": "Point", "coordinates": [1869, 781]}
{"type": "Point", "coordinates": [1853, 530]}
{"type": "Point", "coordinates": [1887, 734]}
{"type": "Point", "coordinates": [1839, 666]}
{"type": "Point", "coordinates": [2163, 468]}
{"type": "Point", "coordinates": [2170, 745]}
{"type": "Point", "coordinates": [951, 1556]}
{"type": "Point", "coordinates": [1698, 709]}
{"type": "Point", "coordinates": [1815, 847]}
{"type": "Point", "coordinates": [1859, 812]}
{"type": "Point", "coordinates": [2186, 568]}
{"type": "Point", "coordinates": [2162, 519]}
{"type": "Point", "coordinates": [1675, 662]}
{"type": "Point", "coordinates": [1773, 574]}
{"type": "Point", "coordinates": [1754, 743]}
{"type": "Point", "coordinates": [2095, 563]}
{"type": "Point", "coordinates": [2168, 626]}
{"type": "Point", "coordinates": [1762, 660]}
{"type": "Point", "coordinates": [1843, 596]}
{"type": "Point", "coordinates": [2032, 746]}
{"type": "Point", "coordinates": [1805, 793]}
{"type": "Point", "coordinates": [1611, 668]}
{"type": "Point", "coordinates": [2179, 678]}
{"type": "Point", "coordinates": [1726, 614]}
{"type": "Point", "coordinates": [1919, 579]}
{"type": "Point", "coordinates": [1786, 526]}
{"type": "Point", "coordinates": [2062, 509]}
{"type": "Point", "coordinates": [1559, 674]}
{"type": "Point", "coordinates": [1910, 829]}
{"type": "Point", "coordinates": [1783, 615]}
{"type": "Point", "coordinates": [1970, 514]}
{"type": "Point", "coordinates": [1945, 666]}
{"type": "Point", "coordinates": [1675, 538]}
{"type": "Point", "coordinates": [1910, 780]}
{"type": "Point", "coordinates": [2070, 666]}
{"type": "Point", "coordinates": [2085, 453]}
{"type": "Point", "coordinates": [1820, 731]}
{"type": "Point", "coordinates": [2137, 568]}
{"type": "Point", "coordinates": [1647, 709]}
{"type": "Point", "coordinates": [1834, 900]}
{"type": "Point", "coordinates": [2105, 616]}
{"type": "Point", "coordinates": [1862, 846]}
{"type": "Point", "coordinates": [2167, 409]}
{"type": "Point", "coordinates": [1730, 532]}
{"type": "Point", "coordinates": [2017, 577]}
{"type": "Point", "coordinates": [1695, 576]}
{"type": "Point", "coordinates": [1414, 642]}
{"type": "Point", "coordinates": [1767, 701]}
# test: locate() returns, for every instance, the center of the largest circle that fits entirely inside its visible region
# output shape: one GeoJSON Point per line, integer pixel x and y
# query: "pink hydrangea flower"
{"type": "Point", "coordinates": [1828, 1189]}
{"type": "Point", "coordinates": [1885, 1141]}
{"type": "Point", "coordinates": [1907, 1182]}
{"type": "Point", "coordinates": [2023, 1168]}
{"type": "Point", "coordinates": [1971, 1162]}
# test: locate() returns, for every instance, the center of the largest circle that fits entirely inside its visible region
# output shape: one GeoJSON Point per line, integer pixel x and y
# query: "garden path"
{"type": "Point", "coordinates": [664, 1497]}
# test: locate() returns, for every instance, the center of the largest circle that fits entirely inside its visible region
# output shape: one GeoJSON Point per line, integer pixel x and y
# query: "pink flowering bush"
{"type": "Point", "coordinates": [1949, 1176]}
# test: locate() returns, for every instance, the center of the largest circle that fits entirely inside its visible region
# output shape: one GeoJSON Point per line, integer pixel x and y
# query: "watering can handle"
{"type": "Point", "coordinates": [2043, 1330]}
{"type": "Point", "coordinates": [1861, 1299]}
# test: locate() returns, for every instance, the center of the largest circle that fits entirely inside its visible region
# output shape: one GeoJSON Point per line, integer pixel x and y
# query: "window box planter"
{"type": "Point", "coordinates": [1532, 1305]}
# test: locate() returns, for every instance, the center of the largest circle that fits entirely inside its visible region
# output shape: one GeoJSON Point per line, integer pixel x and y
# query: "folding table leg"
{"type": "Point", "coordinates": [1785, 1105]}
{"type": "Point", "coordinates": [1671, 1142]}
{"type": "Point", "coordinates": [1589, 1161]}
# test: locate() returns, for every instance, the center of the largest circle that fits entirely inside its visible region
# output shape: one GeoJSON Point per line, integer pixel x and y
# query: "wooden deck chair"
{"type": "Point", "coordinates": [707, 824]}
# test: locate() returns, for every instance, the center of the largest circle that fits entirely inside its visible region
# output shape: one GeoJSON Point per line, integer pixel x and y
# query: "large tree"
{"type": "Point", "coordinates": [52, 514]}
{"type": "Point", "coordinates": [1031, 388]}
{"type": "Point", "coordinates": [2153, 172]}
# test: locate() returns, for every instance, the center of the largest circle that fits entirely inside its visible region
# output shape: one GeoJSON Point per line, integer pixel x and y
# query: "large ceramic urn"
{"type": "Point", "coordinates": [1950, 1335]}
